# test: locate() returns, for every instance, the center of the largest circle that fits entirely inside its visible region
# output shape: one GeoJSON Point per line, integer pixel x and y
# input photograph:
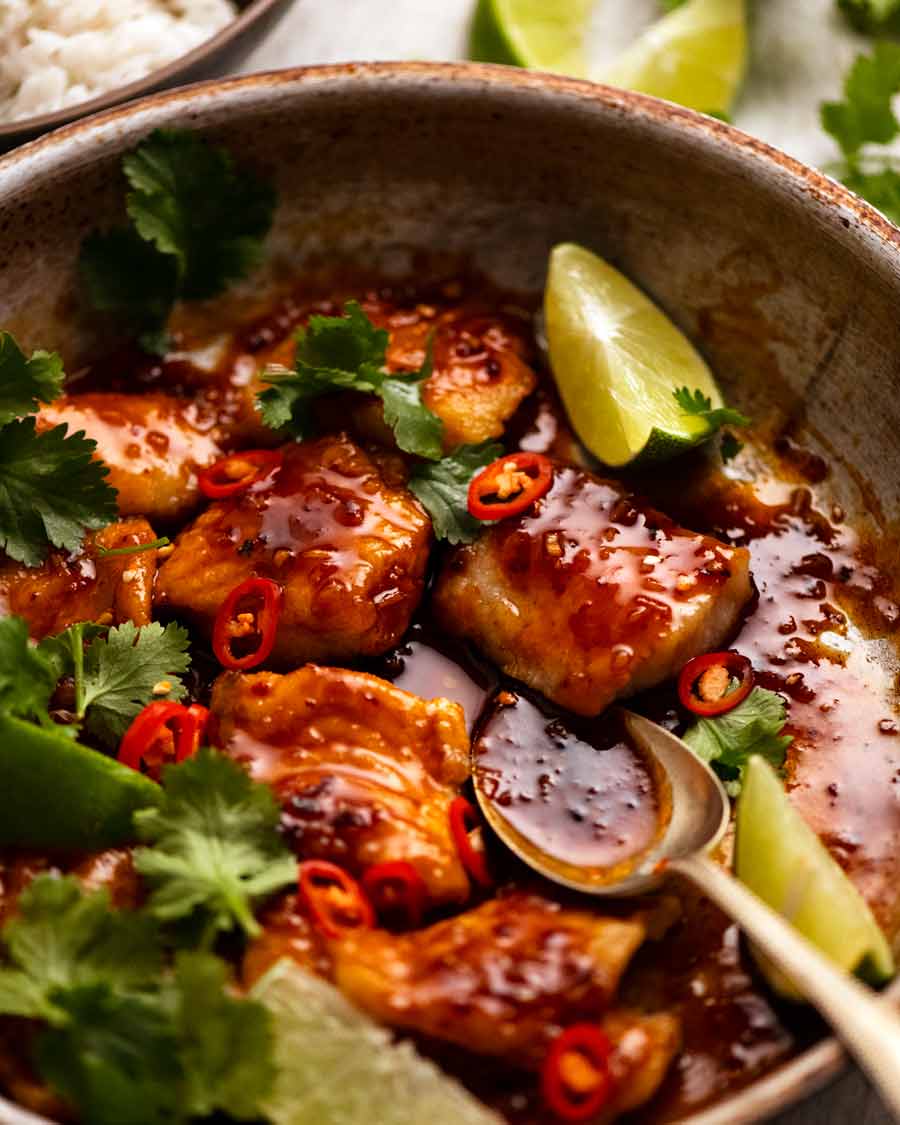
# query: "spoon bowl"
{"type": "Point", "coordinates": [694, 815]}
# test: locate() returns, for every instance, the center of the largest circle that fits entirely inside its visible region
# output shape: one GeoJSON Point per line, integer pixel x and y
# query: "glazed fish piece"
{"type": "Point", "coordinates": [364, 772]}
{"type": "Point", "coordinates": [344, 538]}
{"type": "Point", "coordinates": [481, 368]}
{"type": "Point", "coordinates": [84, 586]}
{"type": "Point", "coordinates": [591, 595]}
{"type": "Point", "coordinates": [154, 445]}
{"type": "Point", "coordinates": [498, 980]}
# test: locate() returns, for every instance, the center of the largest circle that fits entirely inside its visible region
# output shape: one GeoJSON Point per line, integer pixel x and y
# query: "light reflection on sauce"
{"type": "Point", "coordinates": [817, 593]}
{"type": "Point", "coordinates": [429, 664]}
{"type": "Point", "coordinates": [580, 792]}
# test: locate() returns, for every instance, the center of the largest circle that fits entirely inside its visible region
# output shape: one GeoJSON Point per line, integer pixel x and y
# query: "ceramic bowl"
{"type": "Point", "coordinates": [219, 54]}
{"type": "Point", "coordinates": [789, 283]}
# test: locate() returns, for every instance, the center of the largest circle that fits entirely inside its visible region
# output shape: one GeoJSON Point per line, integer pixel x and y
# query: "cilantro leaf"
{"type": "Point", "coordinates": [28, 676]}
{"type": "Point", "coordinates": [115, 1058]}
{"type": "Point", "coordinates": [116, 672]}
{"type": "Point", "coordinates": [700, 405]}
{"type": "Point", "coordinates": [443, 488]}
{"type": "Point", "coordinates": [216, 848]}
{"type": "Point", "coordinates": [226, 1043]}
{"type": "Point", "coordinates": [62, 938]}
{"type": "Point", "coordinates": [190, 201]}
{"type": "Point", "coordinates": [51, 489]}
{"type": "Point", "coordinates": [348, 353]}
{"type": "Point", "coordinates": [198, 223]}
{"type": "Point", "coordinates": [866, 116]}
{"type": "Point", "coordinates": [872, 17]}
{"type": "Point", "coordinates": [416, 428]}
{"type": "Point", "coordinates": [121, 671]}
{"type": "Point", "coordinates": [117, 1028]}
{"type": "Point", "coordinates": [25, 383]}
{"type": "Point", "coordinates": [753, 727]}
{"type": "Point", "coordinates": [350, 343]}
{"type": "Point", "coordinates": [127, 276]}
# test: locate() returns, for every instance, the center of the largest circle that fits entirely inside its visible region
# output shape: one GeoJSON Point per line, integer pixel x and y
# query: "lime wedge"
{"type": "Point", "coordinates": [543, 34]}
{"type": "Point", "coordinates": [618, 361]}
{"type": "Point", "coordinates": [337, 1067]}
{"type": "Point", "coordinates": [779, 857]}
{"type": "Point", "coordinates": [62, 795]}
{"type": "Point", "coordinates": [695, 56]}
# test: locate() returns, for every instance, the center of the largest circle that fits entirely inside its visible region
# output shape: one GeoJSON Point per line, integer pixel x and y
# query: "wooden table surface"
{"type": "Point", "coordinates": [322, 31]}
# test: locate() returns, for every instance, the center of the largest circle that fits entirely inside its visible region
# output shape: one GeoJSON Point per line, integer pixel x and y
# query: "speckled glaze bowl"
{"type": "Point", "coordinates": [789, 283]}
{"type": "Point", "coordinates": [219, 54]}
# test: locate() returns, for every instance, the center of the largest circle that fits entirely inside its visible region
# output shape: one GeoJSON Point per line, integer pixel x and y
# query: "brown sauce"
{"type": "Point", "coordinates": [581, 792]}
{"type": "Point", "coordinates": [819, 598]}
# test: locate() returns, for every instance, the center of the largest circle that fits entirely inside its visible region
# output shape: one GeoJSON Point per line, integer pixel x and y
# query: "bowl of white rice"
{"type": "Point", "coordinates": [63, 59]}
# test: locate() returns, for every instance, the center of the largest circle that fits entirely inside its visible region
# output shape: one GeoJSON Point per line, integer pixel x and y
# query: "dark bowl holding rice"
{"type": "Point", "coordinates": [223, 50]}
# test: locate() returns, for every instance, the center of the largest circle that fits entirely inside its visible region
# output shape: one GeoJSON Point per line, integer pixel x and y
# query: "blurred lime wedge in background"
{"type": "Point", "coordinates": [696, 56]}
{"type": "Point", "coordinates": [67, 796]}
{"type": "Point", "coordinates": [542, 34]}
{"type": "Point", "coordinates": [779, 857]}
{"type": "Point", "coordinates": [618, 360]}
{"type": "Point", "coordinates": [337, 1067]}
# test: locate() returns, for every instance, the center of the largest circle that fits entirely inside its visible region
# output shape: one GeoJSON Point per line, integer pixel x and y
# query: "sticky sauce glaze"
{"type": "Point", "coordinates": [579, 791]}
{"type": "Point", "coordinates": [819, 598]}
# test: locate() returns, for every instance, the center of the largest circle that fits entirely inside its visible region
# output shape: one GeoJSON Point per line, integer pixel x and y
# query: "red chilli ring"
{"type": "Point", "coordinates": [219, 480]}
{"type": "Point", "coordinates": [336, 903]}
{"type": "Point", "coordinates": [536, 468]}
{"type": "Point", "coordinates": [463, 821]}
{"type": "Point", "coordinates": [738, 667]}
{"type": "Point", "coordinates": [396, 887]}
{"type": "Point", "coordinates": [148, 725]}
{"type": "Point", "coordinates": [577, 1095]}
{"type": "Point", "coordinates": [226, 628]}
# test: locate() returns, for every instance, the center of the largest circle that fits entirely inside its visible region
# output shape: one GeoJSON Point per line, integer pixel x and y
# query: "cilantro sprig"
{"type": "Point", "coordinates": [52, 489]}
{"type": "Point", "coordinates": [753, 727]}
{"type": "Point", "coordinates": [700, 405]}
{"type": "Point", "coordinates": [197, 223]}
{"type": "Point", "coordinates": [115, 672]}
{"type": "Point", "coordinates": [348, 353]}
{"type": "Point", "coordinates": [123, 1040]}
{"type": "Point", "coordinates": [864, 121]}
{"type": "Point", "coordinates": [215, 849]}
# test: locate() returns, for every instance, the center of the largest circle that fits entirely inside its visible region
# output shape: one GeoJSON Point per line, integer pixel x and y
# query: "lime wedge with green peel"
{"type": "Point", "coordinates": [696, 56]}
{"type": "Point", "coordinates": [542, 34]}
{"type": "Point", "coordinates": [64, 796]}
{"type": "Point", "coordinates": [337, 1067]}
{"type": "Point", "coordinates": [618, 361]}
{"type": "Point", "coordinates": [779, 857]}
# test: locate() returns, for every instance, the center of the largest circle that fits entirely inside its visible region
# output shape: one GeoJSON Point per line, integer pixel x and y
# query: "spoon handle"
{"type": "Point", "coordinates": [869, 1028]}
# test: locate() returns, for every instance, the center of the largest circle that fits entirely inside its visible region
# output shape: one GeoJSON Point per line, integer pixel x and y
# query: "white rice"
{"type": "Point", "coordinates": [57, 53]}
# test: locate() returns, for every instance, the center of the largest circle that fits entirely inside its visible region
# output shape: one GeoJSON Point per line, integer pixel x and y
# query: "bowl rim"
{"type": "Point", "coordinates": [819, 1064]}
{"type": "Point", "coordinates": [43, 122]}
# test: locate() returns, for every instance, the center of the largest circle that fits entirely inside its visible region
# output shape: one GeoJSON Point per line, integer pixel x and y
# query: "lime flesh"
{"type": "Point", "coordinates": [543, 34]}
{"type": "Point", "coordinates": [618, 360]}
{"type": "Point", "coordinates": [337, 1067]}
{"type": "Point", "coordinates": [67, 796]}
{"type": "Point", "coordinates": [782, 860]}
{"type": "Point", "coordinates": [696, 56]}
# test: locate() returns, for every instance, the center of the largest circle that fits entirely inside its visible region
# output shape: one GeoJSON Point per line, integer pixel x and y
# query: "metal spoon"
{"type": "Point", "coordinates": [700, 813]}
